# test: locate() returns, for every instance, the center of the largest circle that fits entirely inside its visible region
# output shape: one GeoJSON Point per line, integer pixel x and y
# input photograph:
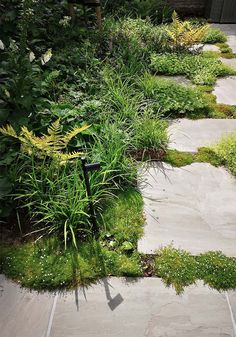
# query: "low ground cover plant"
{"type": "Point", "coordinates": [179, 269]}
{"type": "Point", "coordinates": [202, 69]}
{"type": "Point", "coordinates": [214, 35]}
{"type": "Point", "coordinates": [167, 97]}
{"type": "Point", "coordinates": [226, 151]}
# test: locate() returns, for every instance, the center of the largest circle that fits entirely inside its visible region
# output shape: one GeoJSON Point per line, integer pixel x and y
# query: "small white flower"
{"type": "Point", "coordinates": [46, 57]}
{"type": "Point", "coordinates": [2, 47]}
{"type": "Point", "coordinates": [31, 56]}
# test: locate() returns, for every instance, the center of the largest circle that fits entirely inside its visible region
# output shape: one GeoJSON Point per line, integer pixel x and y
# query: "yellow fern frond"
{"type": "Point", "coordinates": [8, 131]}
{"type": "Point", "coordinates": [72, 133]}
{"type": "Point", "coordinates": [47, 145]}
{"type": "Point", "coordinates": [54, 129]}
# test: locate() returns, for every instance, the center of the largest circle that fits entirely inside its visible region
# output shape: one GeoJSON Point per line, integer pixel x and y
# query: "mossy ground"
{"type": "Point", "coordinates": [46, 265]}
{"type": "Point", "coordinates": [204, 155]}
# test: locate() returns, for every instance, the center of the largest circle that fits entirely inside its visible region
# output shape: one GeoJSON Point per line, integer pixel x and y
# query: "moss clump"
{"type": "Point", "coordinates": [217, 270]}
{"type": "Point", "coordinates": [176, 267]}
{"type": "Point", "coordinates": [178, 158]}
{"type": "Point", "coordinates": [179, 269]}
{"type": "Point", "coordinates": [207, 155]}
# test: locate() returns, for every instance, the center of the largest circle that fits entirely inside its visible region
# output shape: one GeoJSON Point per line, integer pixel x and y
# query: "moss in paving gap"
{"type": "Point", "coordinates": [204, 155]}
{"type": "Point", "coordinates": [226, 51]}
{"type": "Point", "coordinates": [179, 269]}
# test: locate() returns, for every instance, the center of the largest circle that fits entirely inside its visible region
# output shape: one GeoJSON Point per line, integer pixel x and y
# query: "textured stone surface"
{"type": "Point", "coordinates": [149, 309]}
{"type": "Point", "coordinates": [229, 62]}
{"type": "Point", "coordinates": [117, 307]}
{"type": "Point", "coordinates": [225, 89]}
{"type": "Point", "coordinates": [193, 207]}
{"type": "Point", "coordinates": [178, 79]}
{"type": "Point", "coordinates": [210, 47]}
{"type": "Point", "coordinates": [188, 135]}
{"type": "Point", "coordinates": [230, 31]}
{"type": "Point", "coordinates": [23, 313]}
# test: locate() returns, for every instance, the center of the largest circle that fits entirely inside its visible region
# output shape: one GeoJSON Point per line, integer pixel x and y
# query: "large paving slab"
{"type": "Point", "coordinates": [117, 307]}
{"type": "Point", "coordinates": [23, 313]}
{"type": "Point", "coordinates": [147, 309]}
{"type": "Point", "coordinates": [210, 47]}
{"type": "Point", "coordinates": [229, 62]}
{"type": "Point", "coordinates": [193, 207]}
{"type": "Point", "coordinates": [188, 135]}
{"type": "Point", "coordinates": [230, 31]}
{"type": "Point", "coordinates": [225, 90]}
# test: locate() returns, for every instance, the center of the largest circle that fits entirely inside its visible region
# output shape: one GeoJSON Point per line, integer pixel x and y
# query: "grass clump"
{"type": "Point", "coordinates": [176, 267]}
{"type": "Point", "coordinates": [150, 134]}
{"type": "Point", "coordinates": [226, 151]}
{"type": "Point", "coordinates": [200, 69]}
{"type": "Point", "coordinates": [214, 35]}
{"type": "Point", "coordinates": [167, 97]}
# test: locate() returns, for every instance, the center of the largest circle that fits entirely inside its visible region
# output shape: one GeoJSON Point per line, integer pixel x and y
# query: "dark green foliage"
{"type": "Point", "coordinates": [158, 11]}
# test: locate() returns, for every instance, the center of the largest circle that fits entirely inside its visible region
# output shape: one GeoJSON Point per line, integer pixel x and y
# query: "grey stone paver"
{"type": "Point", "coordinates": [177, 78]}
{"type": "Point", "coordinates": [210, 47]}
{"type": "Point", "coordinates": [193, 207]}
{"type": "Point", "coordinates": [229, 62]}
{"type": "Point", "coordinates": [23, 313]}
{"type": "Point", "coordinates": [230, 31]}
{"type": "Point", "coordinates": [188, 135]}
{"type": "Point", "coordinates": [225, 89]}
{"type": "Point", "coordinates": [148, 309]}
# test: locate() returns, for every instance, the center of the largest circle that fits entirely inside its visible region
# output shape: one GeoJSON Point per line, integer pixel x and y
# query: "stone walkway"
{"type": "Point", "coordinates": [193, 207]}
{"type": "Point", "coordinates": [117, 307]}
{"type": "Point", "coordinates": [188, 135]}
{"type": "Point", "coordinates": [225, 88]}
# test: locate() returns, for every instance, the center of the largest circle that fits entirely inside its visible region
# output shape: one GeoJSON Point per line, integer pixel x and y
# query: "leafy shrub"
{"type": "Point", "coordinates": [217, 270]}
{"type": "Point", "coordinates": [226, 151]}
{"type": "Point", "coordinates": [176, 267]}
{"type": "Point", "coordinates": [169, 97]}
{"type": "Point", "coordinates": [214, 35]}
{"type": "Point", "coordinates": [158, 11]}
{"type": "Point", "coordinates": [202, 70]}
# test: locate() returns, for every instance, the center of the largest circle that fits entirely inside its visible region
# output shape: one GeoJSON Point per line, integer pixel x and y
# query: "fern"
{"type": "Point", "coordinates": [183, 34]}
{"type": "Point", "coordinates": [50, 145]}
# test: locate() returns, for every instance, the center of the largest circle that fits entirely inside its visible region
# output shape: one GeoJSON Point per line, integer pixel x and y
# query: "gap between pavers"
{"type": "Point", "coordinates": [192, 207]}
{"type": "Point", "coordinates": [188, 135]}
